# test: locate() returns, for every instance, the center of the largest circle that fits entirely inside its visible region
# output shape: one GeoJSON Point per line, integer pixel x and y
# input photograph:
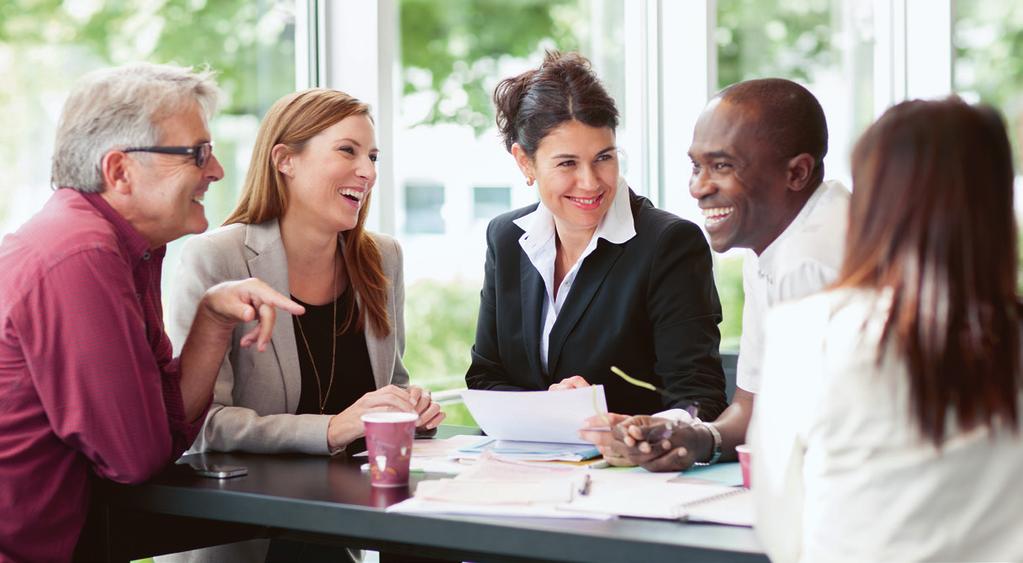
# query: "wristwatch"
{"type": "Point", "coordinates": [716, 452]}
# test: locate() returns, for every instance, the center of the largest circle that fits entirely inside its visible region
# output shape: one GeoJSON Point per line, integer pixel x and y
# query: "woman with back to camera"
{"type": "Point", "coordinates": [592, 276]}
{"type": "Point", "coordinates": [300, 226]}
{"type": "Point", "coordinates": [888, 427]}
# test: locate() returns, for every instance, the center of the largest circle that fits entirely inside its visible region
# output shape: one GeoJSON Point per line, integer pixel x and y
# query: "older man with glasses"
{"type": "Point", "coordinates": [88, 384]}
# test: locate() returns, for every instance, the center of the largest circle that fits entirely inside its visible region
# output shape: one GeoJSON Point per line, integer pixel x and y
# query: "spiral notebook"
{"type": "Point", "coordinates": [670, 501]}
{"type": "Point", "coordinates": [734, 508]}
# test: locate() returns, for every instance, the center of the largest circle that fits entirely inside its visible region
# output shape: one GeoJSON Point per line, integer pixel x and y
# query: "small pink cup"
{"type": "Point", "coordinates": [389, 441]}
{"type": "Point", "coordinates": [742, 451]}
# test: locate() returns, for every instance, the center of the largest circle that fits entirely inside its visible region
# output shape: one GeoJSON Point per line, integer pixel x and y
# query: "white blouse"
{"type": "Point", "coordinates": [840, 470]}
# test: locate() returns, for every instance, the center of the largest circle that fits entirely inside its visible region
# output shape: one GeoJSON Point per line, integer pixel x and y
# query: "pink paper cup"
{"type": "Point", "coordinates": [389, 442]}
{"type": "Point", "coordinates": [742, 451]}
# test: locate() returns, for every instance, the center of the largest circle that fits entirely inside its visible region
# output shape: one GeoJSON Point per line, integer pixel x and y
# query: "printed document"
{"type": "Point", "coordinates": [535, 416]}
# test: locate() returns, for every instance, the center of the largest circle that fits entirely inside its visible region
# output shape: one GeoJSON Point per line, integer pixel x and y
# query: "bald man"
{"type": "Point", "coordinates": [758, 167]}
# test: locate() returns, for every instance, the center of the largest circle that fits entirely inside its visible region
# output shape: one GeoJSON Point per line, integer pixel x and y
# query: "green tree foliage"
{"type": "Point", "coordinates": [459, 44]}
{"type": "Point", "coordinates": [728, 278]}
{"type": "Point", "coordinates": [758, 38]}
{"type": "Point", "coordinates": [440, 320]}
{"type": "Point", "coordinates": [988, 42]}
{"type": "Point", "coordinates": [241, 39]}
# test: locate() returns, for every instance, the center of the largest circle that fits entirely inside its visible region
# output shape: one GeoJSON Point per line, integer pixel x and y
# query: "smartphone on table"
{"type": "Point", "coordinates": [218, 470]}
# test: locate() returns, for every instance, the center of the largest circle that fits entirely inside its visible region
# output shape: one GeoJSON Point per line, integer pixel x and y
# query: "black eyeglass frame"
{"type": "Point", "coordinates": [201, 153]}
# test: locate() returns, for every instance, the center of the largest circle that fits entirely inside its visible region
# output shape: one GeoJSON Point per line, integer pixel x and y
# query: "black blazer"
{"type": "Point", "coordinates": [648, 306]}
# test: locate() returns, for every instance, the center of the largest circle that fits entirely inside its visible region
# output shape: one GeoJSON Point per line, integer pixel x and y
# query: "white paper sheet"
{"type": "Point", "coordinates": [535, 416]}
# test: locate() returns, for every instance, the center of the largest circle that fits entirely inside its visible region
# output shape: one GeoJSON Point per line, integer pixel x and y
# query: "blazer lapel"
{"type": "Point", "coordinates": [270, 264]}
{"type": "Point", "coordinates": [591, 276]}
{"type": "Point", "coordinates": [532, 291]}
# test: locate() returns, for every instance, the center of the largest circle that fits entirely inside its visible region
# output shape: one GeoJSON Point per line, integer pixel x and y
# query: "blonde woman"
{"type": "Point", "coordinates": [300, 226]}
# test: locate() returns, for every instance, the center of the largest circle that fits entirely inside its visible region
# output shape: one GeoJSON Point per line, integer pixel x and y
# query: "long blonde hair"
{"type": "Point", "coordinates": [292, 121]}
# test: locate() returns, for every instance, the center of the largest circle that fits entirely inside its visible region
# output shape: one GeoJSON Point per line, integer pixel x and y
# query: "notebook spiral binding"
{"type": "Point", "coordinates": [682, 510]}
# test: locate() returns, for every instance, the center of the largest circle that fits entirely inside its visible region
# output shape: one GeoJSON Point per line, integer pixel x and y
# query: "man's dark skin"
{"type": "Point", "coordinates": [751, 180]}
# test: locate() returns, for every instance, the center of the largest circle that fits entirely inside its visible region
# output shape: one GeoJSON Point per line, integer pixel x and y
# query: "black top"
{"type": "Point", "coordinates": [353, 374]}
{"type": "Point", "coordinates": [648, 306]}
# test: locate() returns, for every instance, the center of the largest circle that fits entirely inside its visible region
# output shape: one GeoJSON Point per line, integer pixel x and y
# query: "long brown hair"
{"type": "Point", "coordinates": [292, 121]}
{"type": "Point", "coordinates": [931, 220]}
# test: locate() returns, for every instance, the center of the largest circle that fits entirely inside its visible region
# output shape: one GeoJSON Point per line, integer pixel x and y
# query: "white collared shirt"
{"type": "Point", "coordinates": [538, 242]}
{"type": "Point", "coordinates": [804, 259]}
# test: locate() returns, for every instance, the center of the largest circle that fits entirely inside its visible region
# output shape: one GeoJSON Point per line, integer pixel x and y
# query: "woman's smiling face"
{"type": "Point", "coordinates": [329, 180]}
{"type": "Point", "coordinates": [576, 170]}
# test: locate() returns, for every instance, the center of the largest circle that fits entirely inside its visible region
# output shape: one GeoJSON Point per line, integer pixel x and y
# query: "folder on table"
{"type": "Point", "coordinates": [531, 451]}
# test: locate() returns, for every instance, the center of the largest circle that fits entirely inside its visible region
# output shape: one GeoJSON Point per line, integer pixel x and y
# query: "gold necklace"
{"type": "Point", "coordinates": [321, 397]}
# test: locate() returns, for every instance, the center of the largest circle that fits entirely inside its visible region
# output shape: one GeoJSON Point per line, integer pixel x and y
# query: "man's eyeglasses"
{"type": "Point", "coordinates": [201, 152]}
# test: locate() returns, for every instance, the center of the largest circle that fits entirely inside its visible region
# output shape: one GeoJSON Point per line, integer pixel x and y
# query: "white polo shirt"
{"type": "Point", "coordinates": [538, 242]}
{"type": "Point", "coordinates": [804, 259]}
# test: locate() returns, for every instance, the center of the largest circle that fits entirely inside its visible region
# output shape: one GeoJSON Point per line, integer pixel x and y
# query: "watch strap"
{"type": "Point", "coordinates": [716, 452]}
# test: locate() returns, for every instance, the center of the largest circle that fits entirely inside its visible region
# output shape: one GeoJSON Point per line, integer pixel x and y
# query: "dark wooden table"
{"type": "Point", "coordinates": [330, 500]}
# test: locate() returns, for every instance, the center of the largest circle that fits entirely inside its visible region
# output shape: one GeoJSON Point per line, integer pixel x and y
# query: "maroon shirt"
{"type": "Point", "coordinates": [87, 381]}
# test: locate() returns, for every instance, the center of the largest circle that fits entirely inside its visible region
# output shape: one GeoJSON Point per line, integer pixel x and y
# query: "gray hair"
{"type": "Point", "coordinates": [121, 107]}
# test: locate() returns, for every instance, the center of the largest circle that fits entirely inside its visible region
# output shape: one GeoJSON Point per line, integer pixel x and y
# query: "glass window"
{"type": "Point", "coordinates": [453, 53]}
{"type": "Point", "coordinates": [424, 204]}
{"type": "Point", "coordinates": [988, 67]}
{"type": "Point", "coordinates": [489, 202]}
{"type": "Point", "coordinates": [46, 46]}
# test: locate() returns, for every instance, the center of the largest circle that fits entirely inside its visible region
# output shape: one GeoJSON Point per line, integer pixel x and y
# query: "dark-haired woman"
{"type": "Point", "coordinates": [888, 424]}
{"type": "Point", "coordinates": [593, 275]}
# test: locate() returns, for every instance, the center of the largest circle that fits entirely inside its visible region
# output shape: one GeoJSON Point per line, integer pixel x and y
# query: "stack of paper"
{"type": "Point", "coordinates": [497, 487]}
{"type": "Point", "coordinates": [441, 455]}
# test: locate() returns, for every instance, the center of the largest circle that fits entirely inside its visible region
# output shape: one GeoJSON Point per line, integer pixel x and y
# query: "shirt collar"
{"type": "Point", "coordinates": [617, 226]}
{"type": "Point", "coordinates": [132, 240]}
{"type": "Point", "coordinates": [768, 257]}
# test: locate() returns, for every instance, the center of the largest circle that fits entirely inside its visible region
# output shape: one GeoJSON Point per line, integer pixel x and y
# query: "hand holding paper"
{"type": "Point", "coordinates": [597, 432]}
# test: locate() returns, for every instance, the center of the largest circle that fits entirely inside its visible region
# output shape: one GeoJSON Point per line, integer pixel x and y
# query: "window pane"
{"type": "Point", "coordinates": [489, 202]}
{"type": "Point", "coordinates": [988, 40]}
{"type": "Point", "coordinates": [47, 46]}
{"type": "Point", "coordinates": [453, 53]}
{"type": "Point", "coordinates": [423, 207]}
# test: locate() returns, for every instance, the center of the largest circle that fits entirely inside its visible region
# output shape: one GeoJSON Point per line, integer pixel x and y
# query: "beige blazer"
{"type": "Point", "coordinates": [257, 393]}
